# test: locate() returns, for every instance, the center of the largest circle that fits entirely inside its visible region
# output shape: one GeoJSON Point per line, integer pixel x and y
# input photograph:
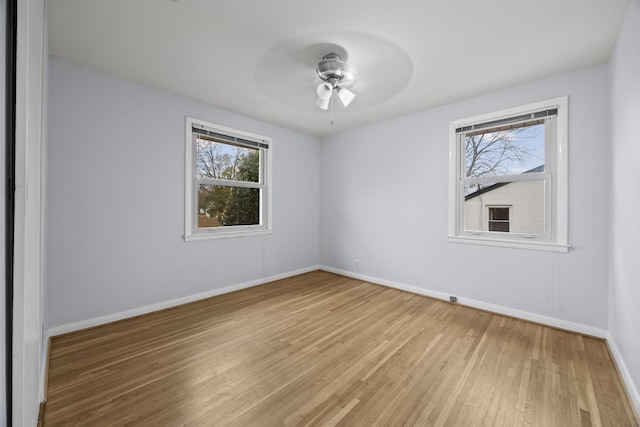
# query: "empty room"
{"type": "Point", "coordinates": [283, 213]}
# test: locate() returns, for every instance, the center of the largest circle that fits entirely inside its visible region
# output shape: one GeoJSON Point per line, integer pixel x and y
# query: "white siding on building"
{"type": "Point", "coordinates": [526, 200]}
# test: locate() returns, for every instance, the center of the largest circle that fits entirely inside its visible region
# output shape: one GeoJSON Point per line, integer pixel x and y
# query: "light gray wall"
{"type": "Point", "coordinates": [384, 201]}
{"type": "Point", "coordinates": [115, 200]}
{"type": "Point", "coordinates": [624, 316]}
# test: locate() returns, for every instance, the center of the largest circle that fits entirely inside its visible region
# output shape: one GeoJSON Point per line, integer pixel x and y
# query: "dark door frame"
{"type": "Point", "coordinates": [10, 162]}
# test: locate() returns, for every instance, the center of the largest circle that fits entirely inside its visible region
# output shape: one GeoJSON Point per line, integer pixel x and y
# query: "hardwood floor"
{"type": "Point", "coordinates": [325, 350]}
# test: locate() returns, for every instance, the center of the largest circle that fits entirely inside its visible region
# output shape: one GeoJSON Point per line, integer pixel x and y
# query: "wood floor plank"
{"type": "Point", "coordinates": [321, 349]}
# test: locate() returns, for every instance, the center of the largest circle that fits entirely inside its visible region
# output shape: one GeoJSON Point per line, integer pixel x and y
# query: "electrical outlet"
{"type": "Point", "coordinates": [357, 263]}
{"type": "Point", "coordinates": [453, 299]}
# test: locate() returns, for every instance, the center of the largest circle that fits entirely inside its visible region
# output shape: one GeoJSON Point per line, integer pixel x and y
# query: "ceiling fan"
{"type": "Point", "coordinates": [336, 77]}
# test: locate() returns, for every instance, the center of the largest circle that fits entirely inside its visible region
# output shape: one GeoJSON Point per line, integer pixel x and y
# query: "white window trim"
{"type": "Point", "coordinates": [191, 209]}
{"type": "Point", "coordinates": [557, 217]}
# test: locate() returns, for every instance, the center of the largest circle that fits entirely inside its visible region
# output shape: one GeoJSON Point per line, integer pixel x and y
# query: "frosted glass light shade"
{"type": "Point", "coordinates": [323, 102]}
{"type": "Point", "coordinates": [324, 90]}
{"type": "Point", "coordinates": [346, 96]}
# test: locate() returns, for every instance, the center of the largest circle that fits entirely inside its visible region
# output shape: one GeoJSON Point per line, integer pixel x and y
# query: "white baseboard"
{"type": "Point", "coordinates": [632, 390]}
{"type": "Point", "coordinates": [533, 317]}
{"type": "Point", "coordinates": [101, 320]}
{"type": "Point", "coordinates": [499, 309]}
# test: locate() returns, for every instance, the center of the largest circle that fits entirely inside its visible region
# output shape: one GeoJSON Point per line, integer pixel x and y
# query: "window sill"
{"type": "Point", "coordinates": [536, 246]}
{"type": "Point", "coordinates": [225, 235]}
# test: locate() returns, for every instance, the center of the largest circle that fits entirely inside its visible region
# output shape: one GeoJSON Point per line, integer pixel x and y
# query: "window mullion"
{"type": "Point", "coordinates": [507, 178]}
{"type": "Point", "coordinates": [228, 183]}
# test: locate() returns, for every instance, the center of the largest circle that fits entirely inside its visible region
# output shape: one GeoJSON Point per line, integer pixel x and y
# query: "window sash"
{"type": "Point", "coordinates": [228, 183]}
{"type": "Point", "coordinates": [249, 227]}
{"type": "Point", "coordinates": [546, 177]}
{"type": "Point", "coordinates": [473, 130]}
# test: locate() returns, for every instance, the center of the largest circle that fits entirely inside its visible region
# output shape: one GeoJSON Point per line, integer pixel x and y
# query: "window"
{"type": "Point", "coordinates": [227, 182]}
{"type": "Point", "coordinates": [508, 178]}
{"type": "Point", "coordinates": [498, 218]}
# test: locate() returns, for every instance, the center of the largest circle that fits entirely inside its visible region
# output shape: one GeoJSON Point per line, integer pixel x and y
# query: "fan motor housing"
{"type": "Point", "coordinates": [331, 67]}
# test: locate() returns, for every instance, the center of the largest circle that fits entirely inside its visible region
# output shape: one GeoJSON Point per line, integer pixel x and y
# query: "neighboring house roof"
{"type": "Point", "coordinates": [500, 184]}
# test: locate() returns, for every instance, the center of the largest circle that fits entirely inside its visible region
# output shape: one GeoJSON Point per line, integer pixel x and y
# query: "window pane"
{"type": "Point", "coordinates": [511, 150]}
{"type": "Point", "coordinates": [220, 206]}
{"type": "Point", "coordinates": [513, 207]}
{"type": "Point", "coordinates": [219, 160]}
{"type": "Point", "coordinates": [501, 226]}
{"type": "Point", "coordinates": [498, 214]}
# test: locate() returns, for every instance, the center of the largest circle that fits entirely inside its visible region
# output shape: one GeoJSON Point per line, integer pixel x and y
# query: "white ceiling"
{"type": "Point", "coordinates": [257, 57]}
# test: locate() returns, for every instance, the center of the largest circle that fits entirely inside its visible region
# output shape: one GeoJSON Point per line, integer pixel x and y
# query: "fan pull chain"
{"type": "Point", "coordinates": [332, 108]}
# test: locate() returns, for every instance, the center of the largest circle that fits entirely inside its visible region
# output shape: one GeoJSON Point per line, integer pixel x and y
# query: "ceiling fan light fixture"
{"type": "Point", "coordinates": [323, 103]}
{"type": "Point", "coordinates": [335, 75]}
{"type": "Point", "coordinates": [346, 96]}
{"type": "Point", "coordinates": [324, 90]}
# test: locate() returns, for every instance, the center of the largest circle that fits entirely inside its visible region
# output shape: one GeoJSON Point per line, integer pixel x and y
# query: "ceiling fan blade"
{"type": "Point", "coordinates": [346, 96]}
